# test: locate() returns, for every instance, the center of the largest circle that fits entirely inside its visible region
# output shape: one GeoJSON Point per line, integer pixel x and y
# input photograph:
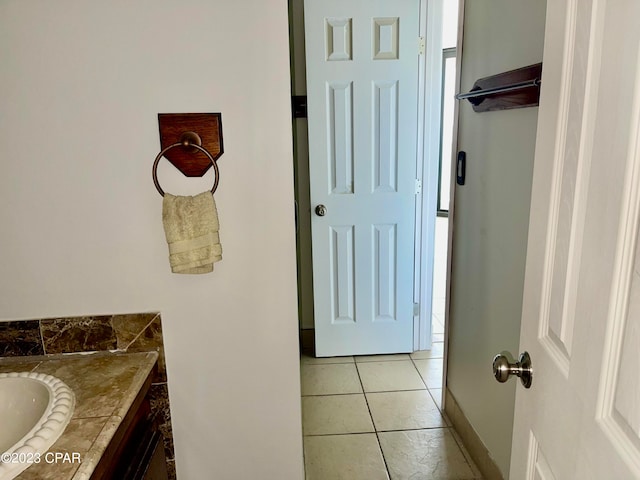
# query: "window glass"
{"type": "Point", "coordinates": [450, 23]}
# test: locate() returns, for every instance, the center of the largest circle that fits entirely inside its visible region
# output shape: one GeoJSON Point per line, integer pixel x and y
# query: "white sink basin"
{"type": "Point", "coordinates": [35, 408]}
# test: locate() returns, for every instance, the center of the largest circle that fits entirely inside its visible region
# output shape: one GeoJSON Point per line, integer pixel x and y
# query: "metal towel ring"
{"type": "Point", "coordinates": [184, 143]}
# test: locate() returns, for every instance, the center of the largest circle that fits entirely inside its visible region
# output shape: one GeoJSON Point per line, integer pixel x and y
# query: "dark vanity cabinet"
{"type": "Point", "coordinates": [137, 450]}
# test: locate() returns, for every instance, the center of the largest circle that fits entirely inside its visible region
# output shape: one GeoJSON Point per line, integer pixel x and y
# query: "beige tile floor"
{"type": "Point", "coordinates": [369, 418]}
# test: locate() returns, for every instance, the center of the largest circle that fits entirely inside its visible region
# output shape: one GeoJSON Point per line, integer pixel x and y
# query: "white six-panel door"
{"type": "Point", "coordinates": [362, 88]}
{"type": "Point", "coordinates": [581, 307]}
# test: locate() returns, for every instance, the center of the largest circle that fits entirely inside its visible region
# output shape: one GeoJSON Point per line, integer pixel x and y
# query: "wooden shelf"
{"type": "Point", "coordinates": [518, 88]}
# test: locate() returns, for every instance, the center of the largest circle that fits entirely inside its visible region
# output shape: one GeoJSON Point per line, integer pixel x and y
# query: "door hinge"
{"type": "Point", "coordinates": [421, 46]}
{"type": "Point", "coordinates": [418, 186]}
{"type": "Point", "coordinates": [416, 309]}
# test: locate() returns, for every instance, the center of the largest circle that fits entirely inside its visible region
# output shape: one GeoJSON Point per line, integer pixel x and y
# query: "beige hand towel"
{"type": "Point", "coordinates": [191, 227]}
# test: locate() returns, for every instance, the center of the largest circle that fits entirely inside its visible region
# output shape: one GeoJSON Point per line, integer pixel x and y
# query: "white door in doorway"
{"type": "Point", "coordinates": [362, 88]}
{"type": "Point", "coordinates": [581, 309]}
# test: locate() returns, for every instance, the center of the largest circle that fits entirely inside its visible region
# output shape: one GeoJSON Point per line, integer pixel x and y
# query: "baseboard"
{"type": "Point", "coordinates": [471, 440]}
{"type": "Point", "coordinates": [307, 340]}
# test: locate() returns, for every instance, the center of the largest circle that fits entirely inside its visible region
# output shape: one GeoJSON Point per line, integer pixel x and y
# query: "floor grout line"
{"type": "Point", "coordinates": [386, 466]}
{"type": "Point", "coordinates": [338, 434]}
{"type": "Point", "coordinates": [363, 392]}
{"type": "Point", "coordinates": [422, 379]}
{"type": "Point", "coordinates": [446, 427]}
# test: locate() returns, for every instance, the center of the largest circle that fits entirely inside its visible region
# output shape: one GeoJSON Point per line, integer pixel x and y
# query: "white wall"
{"type": "Point", "coordinates": [81, 84]}
{"type": "Point", "coordinates": [491, 219]}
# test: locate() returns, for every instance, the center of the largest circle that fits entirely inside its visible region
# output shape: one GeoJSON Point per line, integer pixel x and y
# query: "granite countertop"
{"type": "Point", "coordinates": [105, 385]}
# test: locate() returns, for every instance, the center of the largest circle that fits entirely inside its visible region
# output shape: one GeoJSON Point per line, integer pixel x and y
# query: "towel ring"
{"type": "Point", "coordinates": [184, 143]}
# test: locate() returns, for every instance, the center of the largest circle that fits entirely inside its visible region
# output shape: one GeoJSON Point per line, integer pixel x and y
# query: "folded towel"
{"type": "Point", "coordinates": [191, 227]}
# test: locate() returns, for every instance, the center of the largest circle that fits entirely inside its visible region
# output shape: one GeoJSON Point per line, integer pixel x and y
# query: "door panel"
{"type": "Point", "coordinates": [362, 88]}
{"type": "Point", "coordinates": [343, 274]}
{"type": "Point", "coordinates": [385, 266]}
{"type": "Point", "coordinates": [580, 310]}
{"type": "Point", "coordinates": [340, 136]}
{"type": "Point", "coordinates": [385, 141]}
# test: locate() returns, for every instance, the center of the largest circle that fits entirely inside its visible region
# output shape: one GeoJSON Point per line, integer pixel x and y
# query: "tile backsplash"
{"type": "Point", "coordinates": [20, 338]}
{"type": "Point", "coordinates": [138, 332]}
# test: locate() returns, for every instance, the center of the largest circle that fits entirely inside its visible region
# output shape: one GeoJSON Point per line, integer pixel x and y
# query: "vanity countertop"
{"type": "Point", "coordinates": [105, 385]}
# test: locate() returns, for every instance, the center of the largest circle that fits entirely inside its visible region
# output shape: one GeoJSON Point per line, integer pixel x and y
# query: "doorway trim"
{"type": "Point", "coordinates": [429, 131]}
